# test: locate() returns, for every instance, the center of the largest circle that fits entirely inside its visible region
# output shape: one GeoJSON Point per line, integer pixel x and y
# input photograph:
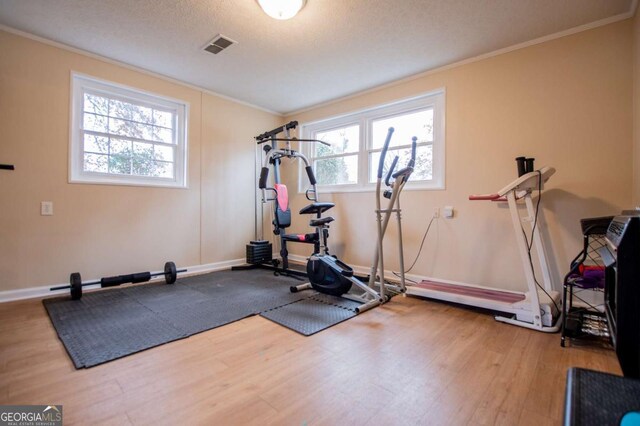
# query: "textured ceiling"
{"type": "Point", "coordinates": [331, 49]}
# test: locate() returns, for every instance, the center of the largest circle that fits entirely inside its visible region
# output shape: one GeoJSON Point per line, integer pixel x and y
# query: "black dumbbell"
{"type": "Point", "coordinates": [75, 280]}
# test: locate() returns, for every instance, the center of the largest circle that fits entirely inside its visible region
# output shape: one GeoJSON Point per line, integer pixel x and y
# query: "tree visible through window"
{"type": "Point", "coordinates": [357, 140]}
{"type": "Point", "coordinates": [338, 163]}
{"type": "Point", "coordinates": [408, 125]}
{"type": "Point", "coordinates": [126, 136]}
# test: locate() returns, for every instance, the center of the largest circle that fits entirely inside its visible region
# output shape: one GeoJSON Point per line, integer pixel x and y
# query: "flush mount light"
{"type": "Point", "coordinates": [281, 9]}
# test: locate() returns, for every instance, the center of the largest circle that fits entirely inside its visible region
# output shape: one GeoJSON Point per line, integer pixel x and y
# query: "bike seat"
{"type": "Point", "coordinates": [321, 222]}
{"type": "Point", "coordinates": [316, 208]}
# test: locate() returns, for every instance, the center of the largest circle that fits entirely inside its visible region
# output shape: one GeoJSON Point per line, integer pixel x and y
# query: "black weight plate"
{"type": "Point", "coordinates": [170, 274]}
{"type": "Point", "coordinates": [76, 286]}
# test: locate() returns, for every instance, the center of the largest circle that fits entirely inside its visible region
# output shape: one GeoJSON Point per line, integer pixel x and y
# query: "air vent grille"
{"type": "Point", "coordinates": [218, 44]}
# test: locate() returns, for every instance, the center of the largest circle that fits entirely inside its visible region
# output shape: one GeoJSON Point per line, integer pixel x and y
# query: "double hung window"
{"type": "Point", "coordinates": [351, 162]}
{"type": "Point", "coordinates": [124, 136]}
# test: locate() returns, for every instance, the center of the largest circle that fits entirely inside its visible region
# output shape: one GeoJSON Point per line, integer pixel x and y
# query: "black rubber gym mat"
{"type": "Point", "coordinates": [109, 324]}
{"type": "Point", "coordinates": [313, 314]}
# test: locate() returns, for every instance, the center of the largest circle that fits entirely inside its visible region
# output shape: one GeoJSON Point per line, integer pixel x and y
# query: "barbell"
{"type": "Point", "coordinates": [75, 280]}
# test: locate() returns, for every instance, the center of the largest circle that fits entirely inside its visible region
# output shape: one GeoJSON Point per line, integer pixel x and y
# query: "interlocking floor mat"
{"type": "Point", "coordinates": [314, 314]}
{"type": "Point", "coordinates": [109, 324]}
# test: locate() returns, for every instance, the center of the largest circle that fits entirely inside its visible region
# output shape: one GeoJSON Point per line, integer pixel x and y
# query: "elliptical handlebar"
{"type": "Point", "coordinates": [383, 154]}
{"type": "Point", "coordinates": [414, 145]}
{"type": "Point", "coordinates": [387, 181]}
{"type": "Point", "coordinates": [406, 171]}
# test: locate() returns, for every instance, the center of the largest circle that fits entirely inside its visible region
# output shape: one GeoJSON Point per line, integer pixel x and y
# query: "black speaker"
{"type": "Point", "coordinates": [622, 290]}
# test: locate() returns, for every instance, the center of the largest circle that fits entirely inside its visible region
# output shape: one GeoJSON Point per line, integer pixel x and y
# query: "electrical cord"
{"type": "Point", "coordinates": [530, 243]}
{"type": "Point", "coordinates": [535, 221]}
{"type": "Point", "coordinates": [424, 237]}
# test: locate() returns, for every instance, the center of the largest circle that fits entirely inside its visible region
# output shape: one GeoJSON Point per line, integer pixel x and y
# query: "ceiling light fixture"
{"type": "Point", "coordinates": [281, 9]}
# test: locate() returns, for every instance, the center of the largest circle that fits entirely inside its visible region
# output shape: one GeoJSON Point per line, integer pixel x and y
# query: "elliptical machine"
{"type": "Point", "coordinates": [395, 187]}
{"type": "Point", "coordinates": [327, 274]}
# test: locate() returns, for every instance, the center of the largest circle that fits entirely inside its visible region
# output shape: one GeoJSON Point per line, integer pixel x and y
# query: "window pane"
{"type": "Point", "coordinates": [163, 169]}
{"type": "Point", "coordinates": [419, 124]}
{"type": "Point", "coordinates": [96, 163]}
{"type": "Point", "coordinates": [96, 144]}
{"type": "Point", "coordinates": [337, 171]}
{"type": "Point", "coordinates": [96, 104]}
{"type": "Point", "coordinates": [163, 153]}
{"type": "Point", "coordinates": [343, 140]}
{"type": "Point", "coordinates": [131, 129]}
{"type": "Point", "coordinates": [128, 111]}
{"type": "Point", "coordinates": [142, 159]}
{"type": "Point", "coordinates": [143, 166]}
{"type": "Point", "coordinates": [141, 149]}
{"type": "Point", "coordinates": [121, 146]}
{"type": "Point", "coordinates": [120, 164]}
{"type": "Point", "coordinates": [163, 135]}
{"type": "Point", "coordinates": [95, 123]}
{"type": "Point", "coordinates": [423, 169]}
{"type": "Point", "coordinates": [163, 118]}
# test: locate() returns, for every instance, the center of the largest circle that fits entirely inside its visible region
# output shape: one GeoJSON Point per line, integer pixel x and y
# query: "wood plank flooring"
{"type": "Point", "coordinates": [410, 362]}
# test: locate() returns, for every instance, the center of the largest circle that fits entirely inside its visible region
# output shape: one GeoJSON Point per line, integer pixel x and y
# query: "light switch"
{"type": "Point", "coordinates": [46, 208]}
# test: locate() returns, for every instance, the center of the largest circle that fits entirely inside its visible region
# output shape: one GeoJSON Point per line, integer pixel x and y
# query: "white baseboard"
{"type": "Point", "coordinates": [38, 292]}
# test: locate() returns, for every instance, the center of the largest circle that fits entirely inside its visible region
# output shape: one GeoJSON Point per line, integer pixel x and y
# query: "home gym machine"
{"type": "Point", "coordinates": [329, 275]}
{"type": "Point", "coordinates": [259, 252]}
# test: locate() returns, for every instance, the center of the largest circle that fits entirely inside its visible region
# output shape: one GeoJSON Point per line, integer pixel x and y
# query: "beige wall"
{"type": "Point", "coordinates": [106, 229]}
{"type": "Point", "coordinates": [636, 110]}
{"type": "Point", "coordinates": [565, 102]}
{"type": "Point", "coordinates": [545, 101]}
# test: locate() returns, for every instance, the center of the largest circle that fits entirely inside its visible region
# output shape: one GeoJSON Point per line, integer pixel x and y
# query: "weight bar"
{"type": "Point", "coordinates": [75, 280]}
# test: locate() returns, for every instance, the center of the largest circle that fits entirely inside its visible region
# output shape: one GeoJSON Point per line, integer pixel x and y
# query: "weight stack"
{"type": "Point", "coordinates": [259, 252]}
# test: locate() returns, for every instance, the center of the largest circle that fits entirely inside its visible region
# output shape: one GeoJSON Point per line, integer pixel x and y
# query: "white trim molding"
{"type": "Point", "coordinates": [84, 85]}
{"type": "Point", "coordinates": [43, 291]}
{"type": "Point", "coordinates": [150, 73]}
{"type": "Point", "coordinates": [498, 52]}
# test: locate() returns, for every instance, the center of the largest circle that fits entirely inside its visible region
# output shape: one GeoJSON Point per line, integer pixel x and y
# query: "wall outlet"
{"type": "Point", "coordinates": [447, 212]}
{"type": "Point", "coordinates": [436, 213]}
{"type": "Point", "coordinates": [46, 208]}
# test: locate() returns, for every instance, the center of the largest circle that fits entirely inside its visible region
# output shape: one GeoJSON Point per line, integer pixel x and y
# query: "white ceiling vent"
{"type": "Point", "coordinates": [218, 44]}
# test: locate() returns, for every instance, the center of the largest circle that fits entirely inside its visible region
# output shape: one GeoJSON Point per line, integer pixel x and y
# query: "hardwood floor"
{"type": "Point", "coordinates": [409, 362]}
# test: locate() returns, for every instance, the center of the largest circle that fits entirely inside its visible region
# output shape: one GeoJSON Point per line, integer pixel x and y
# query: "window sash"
{"type": "Point", "coordinates": [131, 157]}
{"type": "Point", "coordinates": [433, 100]}
{"type": "Point", "coordinates": [178, 109]}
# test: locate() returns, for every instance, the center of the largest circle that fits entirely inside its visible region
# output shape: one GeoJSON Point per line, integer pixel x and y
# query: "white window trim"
{"type": "Point", "coordinates": [80, 82]}
{"type": "Point", "coordinates": [365, 117]}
